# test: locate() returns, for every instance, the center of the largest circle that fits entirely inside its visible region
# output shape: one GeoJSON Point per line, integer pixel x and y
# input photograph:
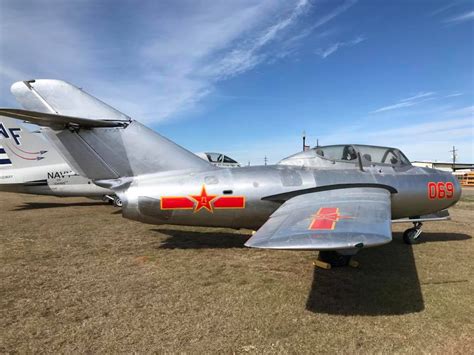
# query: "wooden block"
{"type": "Point", "coordinates": [321, 264]}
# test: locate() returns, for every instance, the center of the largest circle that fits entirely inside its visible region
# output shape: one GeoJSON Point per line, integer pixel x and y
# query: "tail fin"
{"type": "Point", "coordinates": [4, 158]}
{"type": "Point", "coordinates": [98, 141]}
{"type": "Point", "coordinates": [23, 147]}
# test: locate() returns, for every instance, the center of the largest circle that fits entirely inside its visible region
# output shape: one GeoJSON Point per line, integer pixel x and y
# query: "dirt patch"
{"type": "Point", "coordinates": [77, 277]}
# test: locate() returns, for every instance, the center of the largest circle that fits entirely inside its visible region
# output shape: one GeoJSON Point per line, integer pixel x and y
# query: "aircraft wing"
{"type": "Point", "coordinates": [329, 220]}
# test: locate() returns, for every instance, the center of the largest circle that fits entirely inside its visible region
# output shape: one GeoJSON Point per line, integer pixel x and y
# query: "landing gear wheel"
{"type": "Point", "coordinates": [411, 235]}
{"type": "Point", "coordinates": [334, 258]}
{"type": "Point", "coordinates": [117, 202]}
{"type": "Point", "coordinates": [108, 199]}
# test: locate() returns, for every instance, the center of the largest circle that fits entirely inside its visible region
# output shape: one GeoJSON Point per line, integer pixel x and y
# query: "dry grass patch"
{"type": "Point", "coordinates": [76, 276]}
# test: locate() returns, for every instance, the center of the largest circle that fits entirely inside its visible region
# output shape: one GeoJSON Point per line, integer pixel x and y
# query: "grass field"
{"type": "Point", "coordinates": [77, 277]}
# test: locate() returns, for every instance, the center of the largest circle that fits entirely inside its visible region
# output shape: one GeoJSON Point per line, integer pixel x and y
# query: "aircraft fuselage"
{"type": "Point", "coordinates": [52, 180]}
{"type": "Point", "coordinates": [245, 197]}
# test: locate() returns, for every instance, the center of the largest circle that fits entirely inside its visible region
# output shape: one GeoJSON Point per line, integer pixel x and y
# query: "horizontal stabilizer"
{"type": "Point", "coordinates": [57, 121]}
{"type": "Point", "coordinates": [96, 140]}
{"type": "Point", "coordinates": [61, 97]}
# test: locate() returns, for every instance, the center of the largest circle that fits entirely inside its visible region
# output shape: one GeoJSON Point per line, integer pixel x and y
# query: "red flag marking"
{"type": "Point", "coordinates": [326, 219]}
{"type": "Point", "coordinates": [176, 203]}
{"type": "Point", "coordinates": [230, 202]}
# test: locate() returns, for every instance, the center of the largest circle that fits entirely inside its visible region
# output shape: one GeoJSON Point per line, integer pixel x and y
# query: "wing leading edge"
{"type": "Point", "coordinates": [55, 120]}
{"type": "Point", "coordinates": [329, 220]}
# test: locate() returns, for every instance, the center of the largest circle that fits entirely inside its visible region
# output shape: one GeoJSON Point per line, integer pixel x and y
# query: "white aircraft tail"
{"type": "Point", "coordinates": [23, 146]}
{"type": "Point", "coordinates": [98, 141]}
{"type": "Point", "coordinates": [4, 158]}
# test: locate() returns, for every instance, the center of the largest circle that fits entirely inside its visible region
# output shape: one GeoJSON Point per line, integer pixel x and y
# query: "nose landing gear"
{"type": "Point", "coordinates": [410, 236]}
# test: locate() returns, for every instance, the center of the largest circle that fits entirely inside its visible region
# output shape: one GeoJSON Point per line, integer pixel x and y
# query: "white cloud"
{"type": "Point", "coordinates": [418, 99]}
{"type": "Point", "coordinates": [407, 102]}
{"type": "Point", "coordinates": [454, 127]}
{"type": "Point", "coordinates": [248, 54]}
{"type": "Point", "coordinates": [442, 9]}
{"type": "Point", "coordinates": [455, 94]}
{"type": "Point", "coordinates": [324, 53]}
{"type": "Point", "coordinates": [289, 46]}
{"type": "Point", "coordinates": [418, 96]}
{"type": "Point", "coordinates": [430, 140]}
{"type": "Point", "coordinates": [467, 16]}
{"type": "Point", "coordinates": [161, 61]}
{"type": "Point", "coordinates": [336, 12]}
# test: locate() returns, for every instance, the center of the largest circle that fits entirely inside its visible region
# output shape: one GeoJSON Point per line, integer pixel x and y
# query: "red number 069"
{"type": "Point", "coordinates": [440, 190]}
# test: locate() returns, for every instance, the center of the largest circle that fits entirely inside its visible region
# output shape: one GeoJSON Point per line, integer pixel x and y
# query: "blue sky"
{"type": "Point", "coordinates": [247, 77]}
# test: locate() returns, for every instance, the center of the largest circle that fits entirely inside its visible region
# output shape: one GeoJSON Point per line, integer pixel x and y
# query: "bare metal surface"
{"type": "Point", "coordinates": [143, 168]}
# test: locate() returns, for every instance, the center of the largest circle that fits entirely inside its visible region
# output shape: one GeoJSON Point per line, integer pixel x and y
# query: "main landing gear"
{"type": "Point", "coordinates": [113, 199]}
{"type": "Point", "coordinates": [411, 235]}
{"type": "Point", "coordinates": [118, 202]}
{"type": "Point", "coordinates": [331, 258]}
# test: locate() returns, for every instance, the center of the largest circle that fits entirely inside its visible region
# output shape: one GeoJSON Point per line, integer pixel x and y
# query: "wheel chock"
{"type": "Point", "coordinates": [354, 263]}
{"type": "Point", "coordinates": [321, 264]}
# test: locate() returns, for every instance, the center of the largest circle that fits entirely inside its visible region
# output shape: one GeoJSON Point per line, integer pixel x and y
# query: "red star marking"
{"type": "Point", "coordinates": [203, 200]}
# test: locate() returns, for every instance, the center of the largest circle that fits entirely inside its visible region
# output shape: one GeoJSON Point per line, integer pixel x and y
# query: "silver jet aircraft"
{"type": "Point", "coordinates": [335, 199]}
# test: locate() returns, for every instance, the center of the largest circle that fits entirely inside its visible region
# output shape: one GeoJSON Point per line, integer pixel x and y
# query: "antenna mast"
{"type": "Point", "coordinates": [453, 151]}
{"type": "Point", "coordinates": [305, 147]}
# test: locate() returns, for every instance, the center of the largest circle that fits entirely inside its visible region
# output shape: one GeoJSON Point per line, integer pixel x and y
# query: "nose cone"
{"type": "Point", "coordinates": [457, 188]}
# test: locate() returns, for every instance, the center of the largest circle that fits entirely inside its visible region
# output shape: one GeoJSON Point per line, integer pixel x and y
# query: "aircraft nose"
{"type": "Point", "coordinates": [457, 188]}
{"type": "Point", "coordinates": [452, 193]}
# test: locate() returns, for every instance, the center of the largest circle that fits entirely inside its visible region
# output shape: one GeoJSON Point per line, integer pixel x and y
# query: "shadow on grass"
{"type": "Point", "coordinates": [183, 239]}
{"type": "Point", "coordinates": [441, 237]}
{"type": "Point", "coordinates": [385, 284]}
{"type": "Point", "coordinates": [41, 205]}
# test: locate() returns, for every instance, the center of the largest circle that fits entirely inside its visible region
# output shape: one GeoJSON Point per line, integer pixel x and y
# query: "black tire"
{"type": "Point", "coordinates": [334, 258]}
{"type": "Point", "coordinates": [409, 236]}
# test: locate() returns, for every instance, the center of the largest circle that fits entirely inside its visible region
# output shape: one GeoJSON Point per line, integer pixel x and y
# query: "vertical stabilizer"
{"type": "Point", "coordinates": [98, 141]}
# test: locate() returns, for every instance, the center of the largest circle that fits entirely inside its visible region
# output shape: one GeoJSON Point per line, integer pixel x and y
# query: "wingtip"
{"type": "Point", "coordinates": [18, 87]}
{"type": "Point", "coordinates": [22, 86]}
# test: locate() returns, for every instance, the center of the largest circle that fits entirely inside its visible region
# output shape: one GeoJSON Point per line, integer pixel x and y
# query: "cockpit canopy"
{"type": "Point", "coordinates": [343, 156]}
{"type": "Point", "coordinates": [368, 154]}
{"type": "Point", "coordinates": [219, 159]}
